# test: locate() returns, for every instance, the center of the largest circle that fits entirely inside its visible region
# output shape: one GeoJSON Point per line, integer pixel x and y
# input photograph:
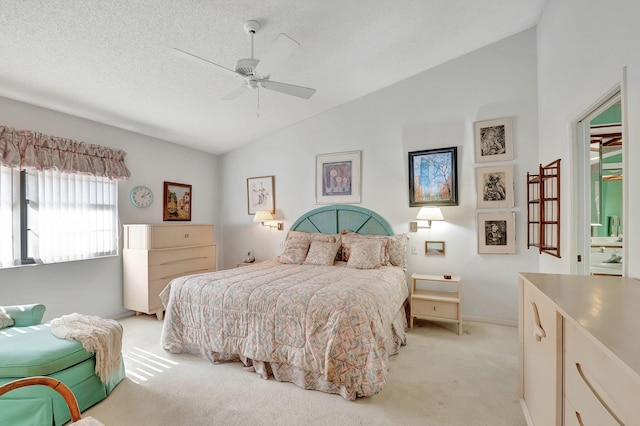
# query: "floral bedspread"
{"type": "Point", "coordinates": [328, 328]}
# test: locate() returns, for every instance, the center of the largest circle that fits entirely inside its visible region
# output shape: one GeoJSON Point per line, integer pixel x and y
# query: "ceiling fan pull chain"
{"type": "Point", "coordinates": [258, 110]}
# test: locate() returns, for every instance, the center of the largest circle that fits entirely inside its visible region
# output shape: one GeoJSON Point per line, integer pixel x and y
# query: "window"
{"type": "Point", "coordinates": [50, 216]}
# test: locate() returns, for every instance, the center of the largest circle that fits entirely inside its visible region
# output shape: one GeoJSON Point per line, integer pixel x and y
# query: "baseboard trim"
{"type": "Point", "coordinates": [488, 320]}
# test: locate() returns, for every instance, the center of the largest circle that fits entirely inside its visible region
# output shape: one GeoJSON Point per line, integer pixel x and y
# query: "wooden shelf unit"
{"type": "Point", "coordinates": [436, 305]}
{"type": "Point", "coordinates": [543, 209]}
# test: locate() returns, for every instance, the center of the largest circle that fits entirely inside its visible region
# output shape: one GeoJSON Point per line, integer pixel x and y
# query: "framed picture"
{"type": "Point", "coordinates": [261, 194]}
{"type": "Point", "coordinates": [176, 201]}
{"type": "Point", "coordinates": [496, 233]}
{"type": "Point", "coordinates": [493, 140]}
{"type": "Point", "coordinates": [434, 248]}
{"type": "Point", "coordinates": [338, 178]}
{"type": "Point", "coordinates": [494, 187]}
{"type": "Point", "coordinates": [433, 177]}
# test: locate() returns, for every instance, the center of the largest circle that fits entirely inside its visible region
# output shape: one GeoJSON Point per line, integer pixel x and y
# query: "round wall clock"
{"type": "Point", "coordinates": [141, 196]}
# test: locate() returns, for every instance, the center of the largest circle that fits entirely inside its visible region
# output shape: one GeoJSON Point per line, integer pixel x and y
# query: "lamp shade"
{"type": "Point", "coordinates": [263, 216]}
{"type": "Point", "coordinates": [430, 213]}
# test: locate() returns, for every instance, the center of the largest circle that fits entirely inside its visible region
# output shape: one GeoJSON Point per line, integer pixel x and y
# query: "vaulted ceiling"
{"type": "Point", "coordinates": [113, 62]}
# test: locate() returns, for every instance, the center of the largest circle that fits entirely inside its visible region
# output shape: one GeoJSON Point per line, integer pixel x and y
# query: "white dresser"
{"type": "Point", "coordinates": [579, 349]}
{"type": "Point", "coordinates": [155, 254]}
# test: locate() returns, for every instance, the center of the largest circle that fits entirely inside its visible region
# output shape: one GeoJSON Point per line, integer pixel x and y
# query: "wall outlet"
{"type": "Point", "coordinates": [414, 249]}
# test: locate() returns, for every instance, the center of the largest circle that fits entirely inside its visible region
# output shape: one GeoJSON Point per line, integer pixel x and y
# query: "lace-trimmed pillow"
{"type": "Point", "coordinates": [322, 253]}
{"type": "Point", "coordinates": [398, 250]}
{"type": "Point", "coordinates": [5, 320]}
{"type": "Point", "coordinates": [295, 251]}
{"type": "Point", "coordinates": [365, 254]}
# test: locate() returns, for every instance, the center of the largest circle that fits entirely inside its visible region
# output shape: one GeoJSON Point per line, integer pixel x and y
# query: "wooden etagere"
{"type": "Point", "coordinates": [543, 209]}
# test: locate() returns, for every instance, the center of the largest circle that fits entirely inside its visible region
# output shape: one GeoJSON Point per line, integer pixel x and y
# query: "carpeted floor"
{"type": "Point", "coordinates": [439, 378]}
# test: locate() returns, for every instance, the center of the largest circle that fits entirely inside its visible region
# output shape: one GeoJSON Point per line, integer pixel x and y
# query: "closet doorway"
{"type": "Point", "coordinates": [600, 233]}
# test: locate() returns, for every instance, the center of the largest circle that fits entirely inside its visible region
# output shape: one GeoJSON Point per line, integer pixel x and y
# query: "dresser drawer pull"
{"type": "Point", "coordinates": [538, 331]}
{"type": "Point", "coordinates": [579, 419]}
{"type": "Point", "coordinates": [199, 271]}
{"type": "Point", "coordinates": [187, 259]}
{"type": "Point", "coordinates": [597, 395]}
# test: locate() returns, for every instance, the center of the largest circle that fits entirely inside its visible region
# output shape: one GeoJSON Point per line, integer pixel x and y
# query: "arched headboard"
{"type": "Point", "coordinates": [335, 218]}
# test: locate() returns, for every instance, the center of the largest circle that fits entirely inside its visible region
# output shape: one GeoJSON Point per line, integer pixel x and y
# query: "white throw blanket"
{"type": "Point", "coordinates": [100, 336]}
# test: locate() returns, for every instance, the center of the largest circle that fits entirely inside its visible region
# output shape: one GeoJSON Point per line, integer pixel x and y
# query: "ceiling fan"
{"type": "Point", "coordinates": [256, 72]}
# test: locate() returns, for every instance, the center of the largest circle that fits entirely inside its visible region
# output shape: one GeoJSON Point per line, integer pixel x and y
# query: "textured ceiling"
{"type": "Point", "coordinates": [112, 62]}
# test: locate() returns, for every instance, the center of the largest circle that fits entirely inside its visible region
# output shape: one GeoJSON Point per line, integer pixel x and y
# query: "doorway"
{"type": "Point", "coordinates": [600, 196]}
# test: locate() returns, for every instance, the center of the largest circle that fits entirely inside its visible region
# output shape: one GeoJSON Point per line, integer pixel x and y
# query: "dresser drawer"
{"type": "Point", "coordinates": [592, 370]}
{"type": "Point", "coordinates": [582, 407]}
{"type": "Point", "coordinates": [431, 308]}
{"type": "Point", "coordinates": [174, 256]}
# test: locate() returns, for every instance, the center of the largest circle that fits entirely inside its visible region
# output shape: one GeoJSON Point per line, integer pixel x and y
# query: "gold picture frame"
{"type": "Point", "coordinates": [434, 248]}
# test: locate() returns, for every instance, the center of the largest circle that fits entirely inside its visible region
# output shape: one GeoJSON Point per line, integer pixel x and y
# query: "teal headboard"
{"type": "Point", "coordinates": [335, 218]}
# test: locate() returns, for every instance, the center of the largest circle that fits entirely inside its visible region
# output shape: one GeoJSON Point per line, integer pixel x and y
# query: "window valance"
{"type": "Point", "coordinates": [29, 149]}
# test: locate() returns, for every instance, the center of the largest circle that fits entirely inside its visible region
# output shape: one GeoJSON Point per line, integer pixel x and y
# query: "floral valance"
{"type": "Point", "coordinates": [26, 149]}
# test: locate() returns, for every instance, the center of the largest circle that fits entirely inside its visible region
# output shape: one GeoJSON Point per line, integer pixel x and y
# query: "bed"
{"type": "Point", "coordinates": [325, 315]}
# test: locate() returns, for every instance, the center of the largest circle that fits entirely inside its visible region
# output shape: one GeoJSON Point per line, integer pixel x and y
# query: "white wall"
{"type": "Point", "coordinates": [436, 108]}
{"type": "Point", "coordinates": [582, 49]}
{"type": "Point", "coordinates": [95, 286]}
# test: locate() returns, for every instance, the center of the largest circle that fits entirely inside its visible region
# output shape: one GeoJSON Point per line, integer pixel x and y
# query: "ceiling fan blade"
{"type": "Point", "coordinates": [281, 49]}
{"type": "Point", "coordinates": [235, 93]}
{"type": "Point", "coordinates": [192, 57]}
{"type": "Point", "coordinates": [289, 89]}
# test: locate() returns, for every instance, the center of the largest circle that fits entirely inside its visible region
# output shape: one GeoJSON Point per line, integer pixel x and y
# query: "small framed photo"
{"type": "Point", "coordinates": [338, 178]}
{"type": "Point", "coordinates": [433, 177]}
{"type": "Point", "coordinates": [434, 248]}
{"type": "Point", "coordinates": [494, 187]}
{"type": "Point", "coordinates": [261, 194]}
{"type": "Point", "coordinates": [177, 201]}
{"type": "Point", "coordinates": [496, 233]}
{"type": "Point", "coordinates": [493, 140]}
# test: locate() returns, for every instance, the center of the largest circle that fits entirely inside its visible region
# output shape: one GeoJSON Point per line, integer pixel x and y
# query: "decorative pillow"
{"type": "Point", "coordinates": [312, 236]}
{"type": "Point", "coordinates": [295, 251]}
{"type": "Point", "coordinates": [365, 254]}
{"type": "Point", "coordinates": [5, 320]}
{"type": "Point", "coordinates": [398, 250]}
{"type": "Point", "coordinates": [349, 238]}
{"type": "Point", "coordinates": [322, 253]}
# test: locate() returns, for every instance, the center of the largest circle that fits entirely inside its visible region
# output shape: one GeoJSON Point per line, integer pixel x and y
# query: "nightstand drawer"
{"type": "Point", "coordinates": [431, 308]}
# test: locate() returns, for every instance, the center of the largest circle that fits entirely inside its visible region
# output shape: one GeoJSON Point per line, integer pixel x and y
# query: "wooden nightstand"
{"type": "Point", "coordinates": [436, 305]}
{"type": "Point", "coordinates": [239, 264]}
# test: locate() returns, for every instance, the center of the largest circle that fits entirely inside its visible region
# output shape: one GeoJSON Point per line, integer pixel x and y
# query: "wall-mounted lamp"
{"type": "Point", "coordinates": [266, 218]}
{"type": "Point", "coordinates": [426, 215]}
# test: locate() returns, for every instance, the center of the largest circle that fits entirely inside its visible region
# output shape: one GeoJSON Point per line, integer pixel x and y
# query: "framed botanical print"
{"type": "Point", "coordinates": [496, 233]}
{"type": "Point", "coordinates": [338, 178]}
{"type": "Point", "coordinates": [493, 140]}
{"type": "Point", "coordinates": [177, 201]}
{"type": "Point", "coordinates": [261, 194]}
{"type": "Point", "coordinates": [433, 177]}
{"type": "Point", "coordinates": [494, 187]}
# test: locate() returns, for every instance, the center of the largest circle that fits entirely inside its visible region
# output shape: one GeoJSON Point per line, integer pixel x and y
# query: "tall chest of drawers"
{"type": "Point", "coordinates": [155, 254]}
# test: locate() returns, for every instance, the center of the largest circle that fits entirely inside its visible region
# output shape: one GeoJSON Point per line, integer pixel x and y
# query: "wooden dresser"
{"type": "Point", "coordinates": [579, 349]}
{"type": "Point", "coordinates": [155, 254]}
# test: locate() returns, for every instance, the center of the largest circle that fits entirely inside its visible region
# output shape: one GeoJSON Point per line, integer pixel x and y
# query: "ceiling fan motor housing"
{"type": "Point", "coordinates": [246, 66]}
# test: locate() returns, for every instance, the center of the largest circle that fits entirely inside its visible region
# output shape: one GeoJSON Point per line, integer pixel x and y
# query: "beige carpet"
{"type": "Point", "coordinates": [439, 378]}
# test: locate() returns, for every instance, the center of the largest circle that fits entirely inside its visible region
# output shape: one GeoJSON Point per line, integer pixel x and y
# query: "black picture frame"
{"type": "Point", "coordinates": [433, 177]}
